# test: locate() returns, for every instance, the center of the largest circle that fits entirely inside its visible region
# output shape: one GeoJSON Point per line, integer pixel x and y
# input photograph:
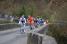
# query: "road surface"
{"type": "Point", "coordinates": [13, 37]}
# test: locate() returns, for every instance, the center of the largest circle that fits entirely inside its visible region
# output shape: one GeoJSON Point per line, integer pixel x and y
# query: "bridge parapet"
{"type": "Point", "coordinates": [37, 36]}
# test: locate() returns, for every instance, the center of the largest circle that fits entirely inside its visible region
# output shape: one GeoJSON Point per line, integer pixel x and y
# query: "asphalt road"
{"type": "Point", "coordinates": [13, 37]}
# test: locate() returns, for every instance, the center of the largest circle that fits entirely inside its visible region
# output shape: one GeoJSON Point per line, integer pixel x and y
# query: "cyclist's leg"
{"type": "Point", "coordinates": [36, 26]}
{"type": "Point", "coordinates": [21, 28]}
{"type": "Point", "coordinates": [24, 24]}
{"type": "Point", "coordinates": [30, 27]}
{"type": "Point", "coordinates": [24, 27]}
{"type": "Point", "coordinates": [33, 26]}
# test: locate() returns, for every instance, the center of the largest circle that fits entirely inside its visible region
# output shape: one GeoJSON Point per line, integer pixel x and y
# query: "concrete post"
{"type": "Point", "coordinates": [29, 38]}
{"type": "Point", "coordinates": [34, 39]}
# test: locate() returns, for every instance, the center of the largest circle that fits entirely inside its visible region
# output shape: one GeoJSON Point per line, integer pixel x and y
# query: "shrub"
{"type": "Point", "coordinates": [59, 32]}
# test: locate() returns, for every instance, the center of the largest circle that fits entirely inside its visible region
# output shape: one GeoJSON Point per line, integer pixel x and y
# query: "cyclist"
{"type": "Point", "coordinates": [30, 21]}
{"type": "Point", "coordinates": [35, 22]}
{"type": "Point", "coordinates": [22, 22]}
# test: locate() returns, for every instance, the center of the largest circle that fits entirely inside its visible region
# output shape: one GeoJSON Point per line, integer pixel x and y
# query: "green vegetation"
{"type": "Point", "coordinates": [59, 32]}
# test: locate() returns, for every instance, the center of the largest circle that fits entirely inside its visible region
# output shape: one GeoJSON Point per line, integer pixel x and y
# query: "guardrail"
{"type": "Point", "coordinates": [37, 36]}
{"type": "Point", "coordinates": [8, 26]}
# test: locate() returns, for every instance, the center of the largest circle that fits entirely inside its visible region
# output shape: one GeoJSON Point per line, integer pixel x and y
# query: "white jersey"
{"type": "Point", "coordinates": [22, 19]}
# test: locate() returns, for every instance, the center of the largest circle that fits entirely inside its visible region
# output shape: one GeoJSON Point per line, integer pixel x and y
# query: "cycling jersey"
{"type": "Point", "coordinates": [30, 20]}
